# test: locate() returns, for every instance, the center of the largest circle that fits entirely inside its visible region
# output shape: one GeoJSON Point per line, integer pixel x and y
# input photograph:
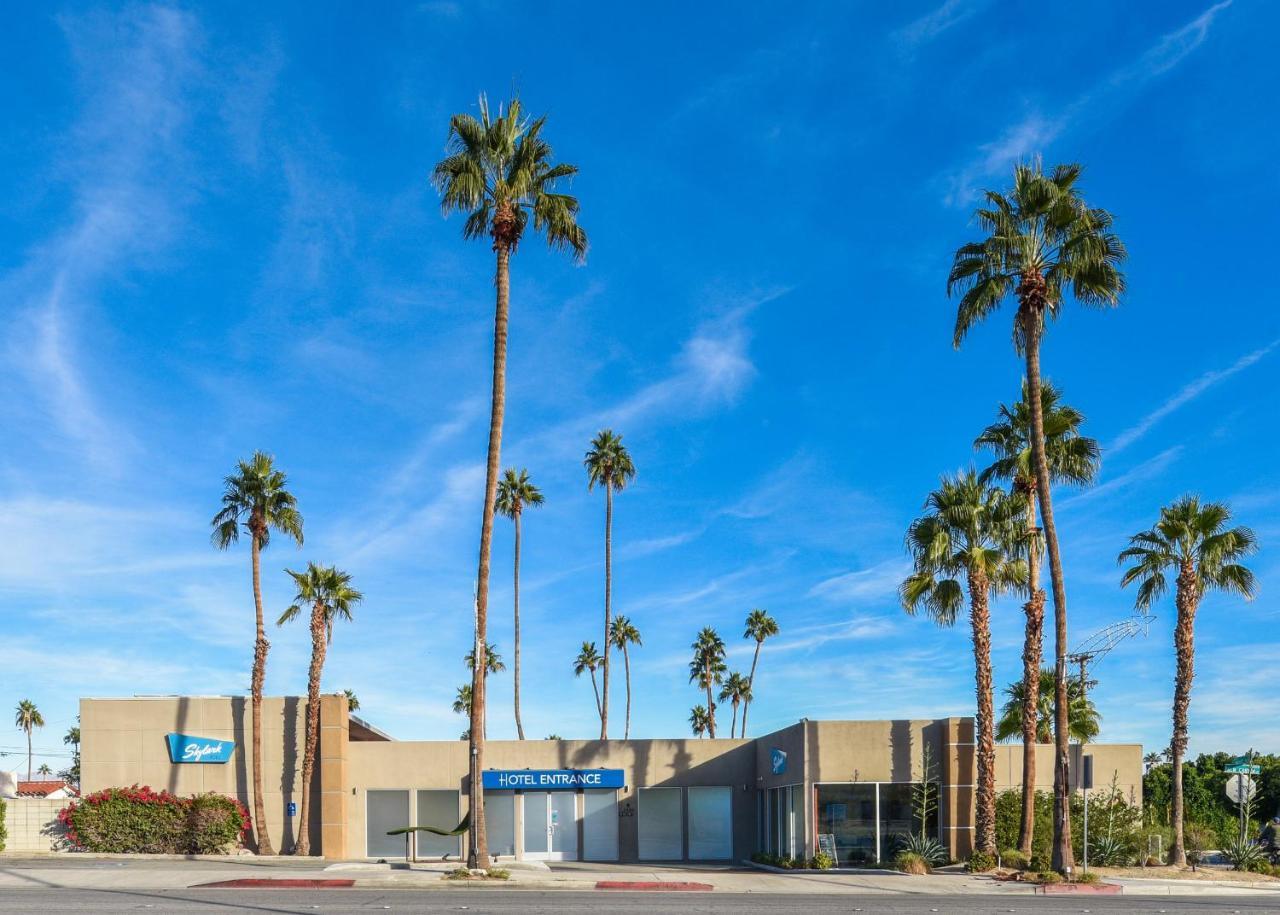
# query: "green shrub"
{"type": "Point", "coordinates": [458, 873]}
{"type": "Point", "coordinates": [821, 862]}
{"type": "Point", "coordinates": [1012, 858]}
{"type": "Point", "coordinates": [498, 873]}
{"type": "Point", "coordinates": [1048, 877]}
{"type": "Point", "coordinates": [139, 820]}
{"type": "Point", "coordinates": [1087, 877]}
{"type": "Point", "coordinates": [1110, 851]}
{"type": "Point", "coordinates": [980, 862]}
{"type": "Point", "coordinates": [910, 863]}
{"type": "Point", "coordinates": [1039, 863]}
{"type": "Point", "coordinates": [3, 833]}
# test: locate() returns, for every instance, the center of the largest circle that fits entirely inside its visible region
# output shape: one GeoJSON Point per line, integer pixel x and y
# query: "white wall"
{"type": "Point", "coordinates": [32, 824]}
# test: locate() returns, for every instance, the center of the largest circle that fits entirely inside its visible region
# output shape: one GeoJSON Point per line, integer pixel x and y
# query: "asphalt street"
{"type": "Point", "coordinates": [526, 902]}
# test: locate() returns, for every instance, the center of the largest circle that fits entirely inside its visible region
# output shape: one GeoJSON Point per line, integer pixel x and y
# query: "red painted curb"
{"type": "Point", "coordinates": [656, 885]}
{"type": "Point", "coordinates": [1084, 889]}
{"type": "Point", "coordinates": [276, 883]}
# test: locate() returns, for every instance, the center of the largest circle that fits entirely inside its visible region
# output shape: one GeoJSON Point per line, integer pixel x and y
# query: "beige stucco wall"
{"type": "Point", "coordinates": [648, 763]}
{"type": "Point", "coordinates": [1123, 761]}
{"type": "Point", "coordinates": [122, 742]}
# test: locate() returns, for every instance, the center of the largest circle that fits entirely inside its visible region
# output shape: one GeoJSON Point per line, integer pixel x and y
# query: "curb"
{"type": "Point", "coordinates": [1079, 889]}
{"type": "Point", "coordinates": [276, 883]}
{"type": "Point", "coordinates": [670, 886]}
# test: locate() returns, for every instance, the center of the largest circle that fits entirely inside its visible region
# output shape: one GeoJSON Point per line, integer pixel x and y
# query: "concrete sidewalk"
{"type": "Point", "coordinates": [137, 872]}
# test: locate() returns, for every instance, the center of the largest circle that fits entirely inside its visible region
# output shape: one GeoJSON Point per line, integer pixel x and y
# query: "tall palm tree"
{"type": "Point", "coordinates": [72, 739]}
{"type": "Point", "coordinates": [1191, 538]}
{"type": "Point", "coordinates": [736, 689]}
{"type": "Point", "coordinates": [588, 660]}
{"type": "Point", "coordinates": [707, 669]}
{"type": "Point", "coordinates": [327, 593]}
{"type": "Point", "coordinates": [608, 465]}
{"type": "Point", "coordinates": [1084, 718]}
{"type": "Point", "coordinates": [1073, 459]}
{"type": "Point", "coordinates": [968, 532]}
{"type": "Point", "coordinates": [516, 492]}
{"type": "Point", "coordinates": [1041, 239]}
{"type": "Point", "coordinates": [499, 171]}
{"type": "Point", "coordinates": [760, 626]}
{"type": "Point", "coordinates": [1151, 760]}
{"type": "Point", "coordinates": [44, 769]}
{"type": "Point", "coordinates": [353, 703]}
{"type": "Point", "coordinates": [622, 634]}
{"type": "Point", "coordinates": [256, 498]}
{"type": "Point", "coordinates": [700, 721]}
{"type": "Point", "coordinates": [27, 718]}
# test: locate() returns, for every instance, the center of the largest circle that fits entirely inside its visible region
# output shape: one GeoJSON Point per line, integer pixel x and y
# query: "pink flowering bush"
{"type": "Point", "coordinates": [140, 820]}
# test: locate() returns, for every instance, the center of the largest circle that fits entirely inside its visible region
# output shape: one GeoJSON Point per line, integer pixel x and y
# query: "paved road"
{"type": "Point", "coordinates": [528, 902]}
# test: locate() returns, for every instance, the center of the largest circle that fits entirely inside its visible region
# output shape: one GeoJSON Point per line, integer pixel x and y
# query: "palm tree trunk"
{"type": "Point", "coordinates": [608, 605]}
{"type": "Point", "coordinates": [260, 648]}
{"type": "Point", "coordinates": [1031, 312]}
{"type": "Point", "coordinates": [303, 844]}
{"type": "Point", "coordinates": [519, 725]}
{"type": "Point", "coordinates": [711, 707]}
{"type": "Point", "coordinates": [478, 853]}
{"type": "Point", "coordinates": [1184, 644]}
{"type": "Point", "coordinates": [733, 726]}
{"type": "Point", "coordinates": [28, 754]}
{"type": "Point", "coordinates": [595, 689]}
{"type": "Point", "coordinates": [984, 820]}
{"type": "Point", "coordinates": [751, 682]}
{"type": "Point", "coordinates": [626, 668]}
{"type": "Point", "coordinates": [1032, 652]}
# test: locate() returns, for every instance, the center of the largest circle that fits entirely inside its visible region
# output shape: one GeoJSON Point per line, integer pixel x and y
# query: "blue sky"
{"type": "Point", "coordinates": [217, 235]}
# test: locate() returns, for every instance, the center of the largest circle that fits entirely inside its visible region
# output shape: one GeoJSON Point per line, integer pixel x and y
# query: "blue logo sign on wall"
{"type": "Point", "coordinates": [291, 809]}
{"type": "Point", "coordinates": [777, 760]}
{"type": "Point", "coordinates": [551, 779]}
{"type": "Point", "coordinates": [183, 748]}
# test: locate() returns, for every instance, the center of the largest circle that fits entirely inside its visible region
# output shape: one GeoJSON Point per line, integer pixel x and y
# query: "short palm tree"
{"type": "Point", "coordinates": [623, 633]}
{"type": "Point", "coordinates": [499, 171]}
{"type": "Point", "coordinates": [72, 739]}
{"type": "Point", "coordinates": [1192, 539]}
{"type": "Point", "coordinates": [609, 465]}
{"type": "Point", "coordinates": [737, 690]}
{"type": "Point", "coordinates": [256, 499]}
{"type": "Point", "coordinates": [1073, 459]}
{"type": "Point", "coordinates": [1041, 240]}
{"type": "Point", "coordinates": [44, 769]}
{"type": "Point", "coordinates": [587, 661]}
{"type": "Point", "coordinates": [353, 703]}
{"type": "Point", "coordinates": [700, 721]}
{"type": "Point", "coordinates": [1084, 718]}
{"type": "Point", "coordinates": [760, 626]}
{"type": "Point", "coordinates": [515, 493]}
{"type": "Point", "coordinates": [326, 593]}
{"type": "Point", "coordinates": [493, 662]}
{"type": "Point", "coordinates": [462, 700]}
{"type": "Point", "coordinates": [26, 719]}
{"type": "Point", "coordinates": [968, 533]}
{"type": "Point", "coordinates": [707, 669]}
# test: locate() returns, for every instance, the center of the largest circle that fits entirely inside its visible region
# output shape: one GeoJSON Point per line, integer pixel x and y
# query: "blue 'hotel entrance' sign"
{"type": "Point", "coordinates": [551, 779]}
{"type": "Point", "coordinates": [183, 748]}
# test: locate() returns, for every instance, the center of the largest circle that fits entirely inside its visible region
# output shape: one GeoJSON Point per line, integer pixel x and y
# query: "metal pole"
{"type": "Point", "coordinates": [477, 669]}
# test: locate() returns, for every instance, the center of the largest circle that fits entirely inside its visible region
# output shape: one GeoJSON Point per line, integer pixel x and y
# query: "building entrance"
{"type": "Point", "coordinates": [550, 826]}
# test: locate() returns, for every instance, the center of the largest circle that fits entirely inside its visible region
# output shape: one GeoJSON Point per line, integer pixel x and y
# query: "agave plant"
{"type": "Point", "coordinates": [930, 850]}
{"type": "Point", "coordinates": [1110, 851]}
{"type": "Point", "coordinates": [1243, 854]}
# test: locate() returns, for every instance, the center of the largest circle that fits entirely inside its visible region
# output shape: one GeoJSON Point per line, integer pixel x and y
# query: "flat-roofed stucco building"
{"type": "Point", "coordinates": [615, 800]}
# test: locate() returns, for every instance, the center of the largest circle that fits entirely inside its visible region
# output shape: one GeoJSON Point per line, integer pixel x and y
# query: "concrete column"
{"type": "Point", "coordinates": [334, 787]}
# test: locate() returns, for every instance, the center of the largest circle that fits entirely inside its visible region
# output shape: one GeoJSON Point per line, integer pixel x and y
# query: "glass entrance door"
{"type": "Point", "coordinates": [550, 826]}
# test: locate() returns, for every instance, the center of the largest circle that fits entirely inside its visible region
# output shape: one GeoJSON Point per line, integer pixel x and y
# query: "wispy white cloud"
{"type": "Point", "coordinates": [938, 20]}
{"type": "Point", "coordinates": [877, 582]}
{"type": "Point", "coordinates": [1035, 131]}
{"type": "Point", "coordinates": [1188, 393]}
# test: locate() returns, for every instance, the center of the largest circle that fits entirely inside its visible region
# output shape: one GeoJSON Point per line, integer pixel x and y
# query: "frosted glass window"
{"type": "Point", "coordinates": [386, 810]}
{"type": "Point", "coordinates": [710, 824]}
{"type": "Point", "coordinates": [500, 822]}
{"type": "Point", "coordinates": [440, 810]}
{"type": "Point", "coordinates": [600, 825]}
{"type": "Point", "coordinates": [658, 816]}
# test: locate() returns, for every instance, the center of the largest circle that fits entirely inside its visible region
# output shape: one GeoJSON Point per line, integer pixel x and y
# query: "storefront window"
{"type": "Point", "coordinates": [384, 811]}
{"type": "Point", "coordinates": [439, 809]}
{"type": "Point", "coordinates": [658, 829]}
{"type": "Point", "coordinates": [849, 813]}
{"type": "Point", "coordinates": [710, 827]}
{"type": "Point", "coordinates": [500, 822]}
